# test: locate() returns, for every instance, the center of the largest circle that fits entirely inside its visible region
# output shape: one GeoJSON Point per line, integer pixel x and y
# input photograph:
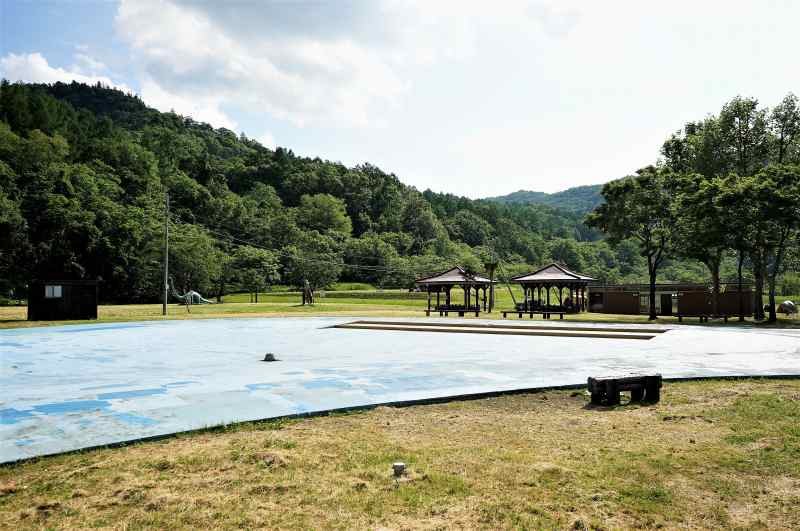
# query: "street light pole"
{"type": "Point", "coordinates": [166, 253]}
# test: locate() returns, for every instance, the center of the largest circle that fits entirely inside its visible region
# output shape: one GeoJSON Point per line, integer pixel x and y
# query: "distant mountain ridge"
{"type": "Point", "coordinates": [580, 199]}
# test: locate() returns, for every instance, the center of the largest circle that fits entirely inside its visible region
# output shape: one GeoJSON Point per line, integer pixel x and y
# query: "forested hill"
{"type": "Point", "coordinates": [84, 171]}
{"type": "Point", "coordinates": [580, 199]}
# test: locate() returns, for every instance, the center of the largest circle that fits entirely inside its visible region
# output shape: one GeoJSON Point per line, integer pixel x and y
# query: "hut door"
{"type": "Point", "coordinates": [666, 304]}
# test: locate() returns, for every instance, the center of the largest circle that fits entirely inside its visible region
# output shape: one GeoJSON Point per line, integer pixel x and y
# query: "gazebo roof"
{"type": "Point", "coordinates": [553, 273]}
{"type": "Point", "coordinates": [456, 275]}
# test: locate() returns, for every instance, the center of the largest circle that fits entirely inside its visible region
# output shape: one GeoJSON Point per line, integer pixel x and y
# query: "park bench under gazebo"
{"type": "Point", "coordinates": [537, 288]}
{"type": "Point", "coordinates": [442, 283]}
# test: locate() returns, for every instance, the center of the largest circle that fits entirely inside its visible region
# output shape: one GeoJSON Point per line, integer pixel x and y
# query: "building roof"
{"type": "Point", "coordinates": [553, 273]}
{"type": "Point", "coordinates": [456, 275]}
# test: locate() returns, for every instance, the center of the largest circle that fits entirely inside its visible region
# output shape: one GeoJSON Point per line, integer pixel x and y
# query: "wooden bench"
{"type": "Point", "coordinates": [445, 312]}
{"type": "Point", "coordinates": [605, 391]}
{"type": "Point", "coordinates": [703, 316]}
{"type": "Point", "coordinates": [520, 313]}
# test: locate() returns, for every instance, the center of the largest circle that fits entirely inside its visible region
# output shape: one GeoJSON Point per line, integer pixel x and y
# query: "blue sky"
{"type": "Point", "coordinates": [466, 97]}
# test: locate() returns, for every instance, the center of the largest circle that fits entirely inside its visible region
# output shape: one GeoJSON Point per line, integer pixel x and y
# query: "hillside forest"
{"type": "Point", "coordinates": [85, 170]}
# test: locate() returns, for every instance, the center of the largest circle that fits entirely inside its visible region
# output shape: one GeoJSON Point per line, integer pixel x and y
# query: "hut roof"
{"type": "Point", "coordinates": [456, 275]}
{"type": "Point", "coordinates": [553, 273]}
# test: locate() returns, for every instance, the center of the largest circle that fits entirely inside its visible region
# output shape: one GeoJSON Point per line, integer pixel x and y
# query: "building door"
{"type": "Point", "coordinates": [666, 304]}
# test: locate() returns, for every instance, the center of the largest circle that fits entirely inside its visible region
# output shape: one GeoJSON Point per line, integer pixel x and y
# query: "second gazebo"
{"type": "Point", "coordinates": [537, 287]}
{"type": "Point", "coordinates": [442, 283]}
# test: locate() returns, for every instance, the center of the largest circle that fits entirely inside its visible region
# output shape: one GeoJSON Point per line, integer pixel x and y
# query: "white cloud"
{"type": "Point", "coordinates": [345, 64]}
{"type": "Point", "coordinates": [34, 68]}
{"type": "Point", "coordinates": [267, 140]}
{"type": "Point", "coordinates": [201, 109]}
{"type": "Point", "coordinates": [87, 64]}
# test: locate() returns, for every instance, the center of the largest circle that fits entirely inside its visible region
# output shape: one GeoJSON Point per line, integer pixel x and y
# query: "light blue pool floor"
{"type": "Point", "coordinates": [70, 387]}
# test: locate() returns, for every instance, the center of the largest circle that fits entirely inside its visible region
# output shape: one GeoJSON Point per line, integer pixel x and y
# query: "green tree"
{"type": "Point", "coordinates": [567, 252]}
{"type": "Point", "coordinates": [784, 123]}
{"type": "Point", "coordinates": [469, 228]}
{"type": "Point", "coordinates": [315, 258]}
{"type": "Point", "coordinates": [777, 195]}
{"type": "Point", "coordinates": [254, 268]}
{"type": "Point", "coordinates": [194, 259]}
{"type": "Point", "coordinates": [639, 208]}
{"type": "Point", "coordinates": [323, 212]}
{"type": "Point", "coordinates": [701, 230]}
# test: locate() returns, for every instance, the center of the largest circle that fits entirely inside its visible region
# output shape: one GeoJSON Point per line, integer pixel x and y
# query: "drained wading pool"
{"type": "Point", "coordinates": [70, 387]}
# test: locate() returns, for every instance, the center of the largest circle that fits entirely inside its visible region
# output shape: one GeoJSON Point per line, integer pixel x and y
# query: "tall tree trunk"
{"type": "Point", "coordinates": [758, 291]}
{"type": "Point", "coordinates": [739, 278]}
{"type": "Point", "coordinates": [713, 265]}
{"type": "Point", "coordinates": [651, 268]}
{"type": "Point", "coordinates": [220, 289]}
{"type": "Point", "coordinates": [773, 276]}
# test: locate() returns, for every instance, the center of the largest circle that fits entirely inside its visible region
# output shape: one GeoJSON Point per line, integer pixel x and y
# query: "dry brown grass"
{"type": "Point", "coordinates": [710, 455]}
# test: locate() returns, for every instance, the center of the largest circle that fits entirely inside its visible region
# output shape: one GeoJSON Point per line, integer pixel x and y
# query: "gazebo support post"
{"type": "Point", "coordinates": [429, 299]}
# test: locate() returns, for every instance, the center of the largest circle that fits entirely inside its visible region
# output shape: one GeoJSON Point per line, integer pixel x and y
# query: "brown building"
{"type": "Point", "coordinates": [671, 299]}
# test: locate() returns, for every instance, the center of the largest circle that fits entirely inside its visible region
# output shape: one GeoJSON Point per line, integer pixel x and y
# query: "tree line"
{"type": "Point", "coordinates": [727, 186]}
{"type": "Point", "coordinates": [84, 171]}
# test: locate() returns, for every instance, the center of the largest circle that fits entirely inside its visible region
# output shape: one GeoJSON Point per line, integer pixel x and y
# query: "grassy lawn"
{"type": "Point", "coordinates": [344, 302]}
{"type": "Point", "coordinates": [710, 455]}
{"type": "Point", "coordinates": [398, 303]}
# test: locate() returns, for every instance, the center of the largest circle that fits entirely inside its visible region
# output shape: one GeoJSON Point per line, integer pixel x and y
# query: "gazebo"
{"type": "Point", "coordinates": [544, 280]}
{"type": "Point", "coordinates": [442, 283]}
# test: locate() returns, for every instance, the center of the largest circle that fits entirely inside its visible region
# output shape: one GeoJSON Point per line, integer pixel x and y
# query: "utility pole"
{"type": "Point", "coordinates": [166, 253]}
{"type": "Point", "coordinates": [490, 266]}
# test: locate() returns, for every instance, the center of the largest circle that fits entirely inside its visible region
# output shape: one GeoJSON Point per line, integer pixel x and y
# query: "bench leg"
{"type": "Point", "coordinates": [561, 316]}
{"type": "Point", "coordinates": [680, 318]}
{"type": "Point", "coordinates": [652, 388]}
{"type": "Point", "coordinates": [637, 394]}
{"type": "Point", "coordinates": [597, 398]}
{"type": "Point", "coordinates": [612, 393]}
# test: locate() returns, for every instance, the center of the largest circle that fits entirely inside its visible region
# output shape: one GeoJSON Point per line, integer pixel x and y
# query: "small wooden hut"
{"type": "Point", "coordinates": [537, 288]}
{"type": "Point", "coordinates": [442, 283]}
{"type": "Point", "coordinates": [56, 300]}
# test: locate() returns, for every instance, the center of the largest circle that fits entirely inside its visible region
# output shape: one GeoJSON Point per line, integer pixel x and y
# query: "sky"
{"type": "Point", "coordinates": [472, 98]}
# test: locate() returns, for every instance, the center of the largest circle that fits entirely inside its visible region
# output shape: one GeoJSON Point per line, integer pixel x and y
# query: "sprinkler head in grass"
{"type": "Point", "coordinates": [398, 468]}
{"type": "Point", "coordinates": [269, 356]}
